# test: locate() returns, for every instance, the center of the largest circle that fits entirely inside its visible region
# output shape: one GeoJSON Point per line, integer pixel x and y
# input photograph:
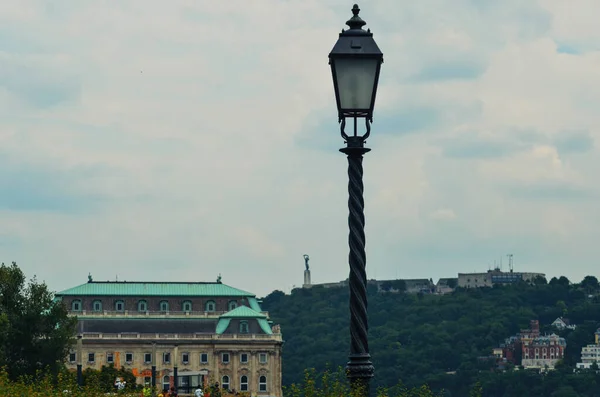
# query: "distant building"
{"type": "Point", "coordinates": [190, 331]}
{"type": "Point", "coordinates": [532, 350]}
{"type": "Point", "coordinates": [541, 351]}
{"type": "Point", "coordinates": [590, 354]}
{"type": "Point", "coordinates": [494, 277]}
{"type": "Point", "coordinates": [417, 285]}
{"type": "Point", "coordinates": [446, 285]}
{"type": "Point", "coordinates": [563, 323]}
{"type": "Point", "coordinates": [411, 286]}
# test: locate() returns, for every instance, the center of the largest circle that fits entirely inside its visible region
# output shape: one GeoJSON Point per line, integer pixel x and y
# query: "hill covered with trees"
{"type": "Point", "coordinates": [441, 339]}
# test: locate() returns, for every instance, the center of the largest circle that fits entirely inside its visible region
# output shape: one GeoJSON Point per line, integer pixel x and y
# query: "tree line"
{"type": "Point", "coordinates": [444, 341]}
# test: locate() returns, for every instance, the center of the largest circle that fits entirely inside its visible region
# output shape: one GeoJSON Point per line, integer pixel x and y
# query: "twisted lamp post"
{"type": "Point", "coordinates": [355, 64]}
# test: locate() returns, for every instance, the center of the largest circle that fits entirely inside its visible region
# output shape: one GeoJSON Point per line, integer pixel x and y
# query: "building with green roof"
{"type": "Point", "coordinates": [189, 332]}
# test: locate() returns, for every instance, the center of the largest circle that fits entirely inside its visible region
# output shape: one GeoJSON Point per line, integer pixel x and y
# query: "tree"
{"type": "Point", "coordinates": [35, 331]}
{"type": "Point", "coordinates": [590, 284]}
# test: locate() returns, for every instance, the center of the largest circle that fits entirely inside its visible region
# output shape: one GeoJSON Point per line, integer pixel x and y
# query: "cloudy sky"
{"type": "Point", "coordinates": [154, 140]}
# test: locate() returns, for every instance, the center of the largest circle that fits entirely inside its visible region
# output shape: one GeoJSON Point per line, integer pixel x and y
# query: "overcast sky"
{"type": "Point", "coordinates": [176, 140]}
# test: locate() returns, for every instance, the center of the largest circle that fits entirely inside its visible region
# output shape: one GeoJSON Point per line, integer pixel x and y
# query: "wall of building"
{"type": "Point", "coordinates": [268, 347]}
{"type": "Point", "coordinates": [153, 302]}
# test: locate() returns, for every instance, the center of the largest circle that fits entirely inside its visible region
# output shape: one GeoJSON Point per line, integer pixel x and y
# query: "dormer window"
{"type": "Point", "coordinates": [142, 306]}
{"type": "Point", "coordinates": [244, 327]}
{"type": "Point", "coordinates": [164, 306]}
{"type": "Point", "coordinates": [76, 305]}
{"type": "Point", "coordinates": [210, 306]}
{"type": "Point", "coordinates": [97, 306]}
{"type": "Point", "coordinates": [120, 306]}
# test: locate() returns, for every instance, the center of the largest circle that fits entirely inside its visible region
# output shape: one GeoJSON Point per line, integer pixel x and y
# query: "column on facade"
{"type": "Point", "coordinates": [175, 360]}
{"type": "Point", "coordinates": [277, 373]}
{"type": "Point", "coordinates": [235, 379]}
{"type": "Point", "coordinates": [253, 375]}
{"type": "Point", "coordinates": [272, 356]}
{"type": "Point", "coordinates": [215, 366]}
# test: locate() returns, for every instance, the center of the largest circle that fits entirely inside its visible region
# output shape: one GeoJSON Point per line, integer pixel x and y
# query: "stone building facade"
{"type": "Point", "coordinates": [191, 333]}
{"type": "Point", "coordinates": [495, 277]}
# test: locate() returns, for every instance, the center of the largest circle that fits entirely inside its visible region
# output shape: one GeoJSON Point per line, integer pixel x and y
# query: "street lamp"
{"type": "Point", "coordinates": [355, 64]}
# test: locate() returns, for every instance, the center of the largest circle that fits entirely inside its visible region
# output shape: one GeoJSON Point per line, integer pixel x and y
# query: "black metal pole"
{"type": "Point", "coordinates": [175, 382]}
{"type": "Point", "coordinates": [153, 368]}
{"type": "Point", "coordinates": [79, 375]}
{"type": "Point", "coordinates": [79, 360]}
{"type": "Point", "coordinates": [359, 369]}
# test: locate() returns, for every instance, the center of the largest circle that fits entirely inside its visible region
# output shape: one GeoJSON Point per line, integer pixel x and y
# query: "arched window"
{"type": "Point", "coordinates": [120, 306]}
{"type": "Point", "coordinates": [76, 305]}
{"type": "Point", "coordinates": [232, 305]}
{"type": "Point", "coordinates": [225, 382]}
{"type": "Point", "coordinates": [164, 306]}
{"type": "Point", "coordinates": [244, 383]}
{"type": "Point", "coordinates": [244, 327]}
{"type": "Point", "coordinates": [166, 382]}
{"type": "Point", "coordinates": [262, 383]}
{"type": "Point", "coordinates": [97, 306]}
{"type": "Point", "coordinates": [210, 306]}
{"type": "Point", "coordinates": [142, 306]}
{"type": "Point", "coordinates": [187, 306]}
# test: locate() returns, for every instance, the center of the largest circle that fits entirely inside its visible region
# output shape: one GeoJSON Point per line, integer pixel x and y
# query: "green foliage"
{"type": "Point", "coordinates": [35, 332]}
{"type": "Point", "coordinates": [45, 384]}
{"type": "Point", "coordinates": [105, 378]}
{"type": "Point", "coordinates": [437, 340]}
{"type": "Point", "coordinates": [335, 384]}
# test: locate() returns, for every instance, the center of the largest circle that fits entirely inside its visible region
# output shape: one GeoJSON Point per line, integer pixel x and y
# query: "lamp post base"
{"type": "Point", "coordinates": [360, 370]}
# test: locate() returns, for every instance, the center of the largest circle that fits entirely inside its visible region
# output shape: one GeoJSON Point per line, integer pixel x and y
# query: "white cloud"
{"type": "Point", "coordinates": [205, 136]}
{"type": "Point", "coordinates": [444, 214]}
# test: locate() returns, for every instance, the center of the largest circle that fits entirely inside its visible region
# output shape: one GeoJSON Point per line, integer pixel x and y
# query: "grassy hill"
{"type": "Point", "coordinates": [420, 338]}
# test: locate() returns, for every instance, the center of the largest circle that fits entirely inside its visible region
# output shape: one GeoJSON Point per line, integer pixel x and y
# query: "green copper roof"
{"type": "Point", "coordinates": [264, 325]}
{"type": "Point", "coordinates": [125, 288]}
{"type": "Point", "coordinates": [222, 325]}
{"type": "Point", "coordinates": [242, 312]}
{"type": "Point", "coordinates": [254, 304]}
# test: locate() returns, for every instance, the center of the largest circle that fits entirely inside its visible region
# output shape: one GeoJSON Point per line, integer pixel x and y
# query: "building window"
{"type": "Point", "coordinates": [187, 306]}
{"type": "Point", "coordinates": [91, 357]}
{"type": "Point", "coordinates": [147, 358]}
{"type": "Point", "coordinates": [166, 358]}
{"type": "Point", "coordinates": [166, 382]}
{"type": "Point", "coordinates": [262, 383]}
{"type": "Point", "coordinates": [97, 306]}
{"type": "Point", "coordinates": [164, 306]}
{"type": "Point", "coordinates": [72, 357]}
{"type": "Point", "coordinates": [225, 382]}
{"type": "Point", "coordinates": [203, 358]}
{"type": "Point", "coordinates": [232, 305]}
{"type": "Point", "coordinates": [142, 306]}
{"type": "Point", "coordinates": [128, 358]}
{"type": "Point", "coordinates": [244, 357]}
{"type": "Point", "coordinates": [120, 306]}
{"type": "Point", "coordinates": [244, 383]}
{"type": "Point", "coordinates": [110, 358]}
{"type": "Point", "coordinates": [185, 358]}
{"type": "Point", "coordinates": [147, 380]}
{"type": "Point", "coordinates": [225, 358]}
{"type": "Point", "coordinates": [262, 358]}
{"type": "Point", "coordinates": [76, 305]}
{"type": "Point", "coordinates": [210, 306]}
{"type": "Point", "coordinates": [244, 327]}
